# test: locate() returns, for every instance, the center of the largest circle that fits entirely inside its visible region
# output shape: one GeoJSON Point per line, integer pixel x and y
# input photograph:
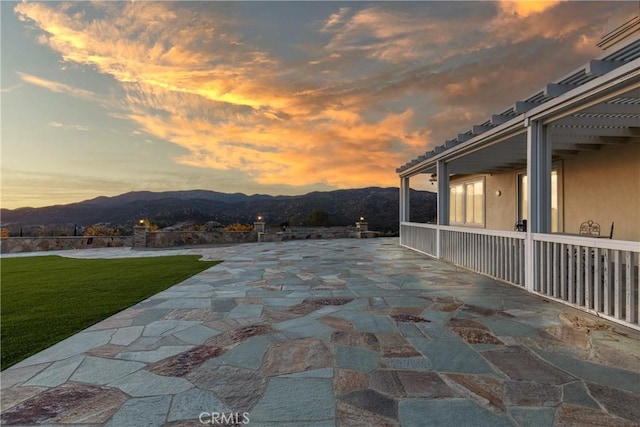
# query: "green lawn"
{"type": "Point", "coordinates": [46, 299]}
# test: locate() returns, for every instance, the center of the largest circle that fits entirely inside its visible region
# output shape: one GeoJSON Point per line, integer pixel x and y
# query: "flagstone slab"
{"type": "Point", "coordinates": [576, 393]}
{"type": "Point", "coordinates": [15, 375]}
{"type": "Point", "coordinates": [525, 393]}
{"type": "Point", "coordinates": [337, 323]}
{"type": "Point", "coordinates": [245, 311]}
{"type": "Point", "coordinates": [72, 346]}
{"type": "Point", "coordinates": [314, 400]}
{"type": "Point", "coordinates": [407, 363]}
{"type": "Point", "coordinates": [521, 365]}
{"type": "Point", "coordinates": [313, 373]}
{"type": "Point", "coordinates": [480, 387]}
{"type": "Point", "coordinates": [68, 403]}
{"type": "Point", "coordinates": [297, 356]}
{"type": "Point", "coordinates": [352, 416]}
{"type": "Point", "coordinates": [126, 336]}
{"type": "Point", "coordinates": [357, 359]}
{"type": "Point", "coordinates": [142, 412]}
{"type": "Point", "coordinates": [191, 403]}
{"type": "Point", "coordinates": [196, 334]}
{"type": "Point", "coordinates": [452, 356]}
{"type": "Point", "coordinates": [250, 353]}
{"type": "Point", "coordinates": [595, 372]}
{"type": "Point", "coordinates": [617, 402]}
{"type": "Point", "coordinates": [578, 416]}
{"type": "Point", "coordinates": [57, 373]}
{"type": "Point", "coordinates": [96, 370]}
{"type": "Point", "coordinates": [346, 380]}
{"type": "Point", "coordinates": [151, 356]}
{"type": "Point", "coordinates": [149, 315]}
{"type": "Point", "coordinates": [365, 322]}
{"type": "Point", "coordinates": [144, 383]}
{"type": "Point", "coordinates": [238, 388]}
{"type": "Point", "coordinates": [533, 417]}
{"type": "Point", "coordinates": [366, 340]}
{"type": "Point", "coordinates": [183, 363]}
{"type": "Point", "coordinates": [399, 384]}
{"type": "Point", "coordinates": [373, 402]}
{"type": "Point", "coordinates": [304, 327]}
{"type": "Point", "coordinates": [12, 396]}
{"type": "Point", "coordinates": [447, 412]}
{"type": "Point", "coordinates": [167, 327]}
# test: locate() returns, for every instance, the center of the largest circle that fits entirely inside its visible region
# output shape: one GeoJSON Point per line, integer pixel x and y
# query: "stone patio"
{"type": "Point", "coordinates": [332, 333]}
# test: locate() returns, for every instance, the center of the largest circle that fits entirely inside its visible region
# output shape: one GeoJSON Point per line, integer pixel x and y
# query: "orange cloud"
{"type": "Point", "coordinates": [525, 8]}
{"type": "Point", "coordinates": [57, 86]}
{"type": "Point", "coordinates": [228, 114]}
{"type": "Point", "coordinates": [189, 78]}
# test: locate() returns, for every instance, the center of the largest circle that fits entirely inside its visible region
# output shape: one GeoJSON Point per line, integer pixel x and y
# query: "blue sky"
{"type": "Point", "coordinates": [101, 98]}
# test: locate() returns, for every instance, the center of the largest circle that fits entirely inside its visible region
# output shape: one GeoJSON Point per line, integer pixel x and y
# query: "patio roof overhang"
{"type": "Point", "coordinates": [596, 105]}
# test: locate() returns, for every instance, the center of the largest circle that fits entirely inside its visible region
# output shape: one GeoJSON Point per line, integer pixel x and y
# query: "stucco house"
{"type": "Point", "coordinates": [546, 194]}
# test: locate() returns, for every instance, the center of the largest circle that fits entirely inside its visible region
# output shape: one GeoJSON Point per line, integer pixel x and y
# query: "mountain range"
{"type": "Point", "coordinates": [344, 207]}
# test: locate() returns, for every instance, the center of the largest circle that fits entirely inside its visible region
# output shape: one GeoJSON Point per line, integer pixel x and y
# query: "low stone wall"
{"type": "Point", "coordinates": [170, 239]}
{"type": "Point", "coordinates": [36, 244]}
{"type": "Point", "coordinates": [307, 233]}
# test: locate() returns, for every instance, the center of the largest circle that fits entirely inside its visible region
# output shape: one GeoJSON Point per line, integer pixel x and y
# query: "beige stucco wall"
{"type": "Point", "coordinates": [602, 185]}
{"type": "Point", "coordinates": [500, 210]}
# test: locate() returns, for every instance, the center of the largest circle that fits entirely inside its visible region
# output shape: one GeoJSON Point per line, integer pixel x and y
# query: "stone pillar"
{"type": "Point", "coordinates": [259, 226]}
{"type": "Point", "coordinates": [140, 236]}
{"type": "Point", "coordinates": [362, 226]}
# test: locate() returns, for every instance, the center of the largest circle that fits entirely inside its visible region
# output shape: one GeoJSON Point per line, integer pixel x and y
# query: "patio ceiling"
{"type": "Point", "coordinates": [500, 144]}
{"type": "Point", "coordinates": [616, 121]}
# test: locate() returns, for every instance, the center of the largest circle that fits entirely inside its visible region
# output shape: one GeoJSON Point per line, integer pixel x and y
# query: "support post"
{"type": "Point", "coordinates": [539, 190]}
{"type": "Point", "coordinates": [404, 199]}
{"type": "Point", "coordinates": [443, 203]}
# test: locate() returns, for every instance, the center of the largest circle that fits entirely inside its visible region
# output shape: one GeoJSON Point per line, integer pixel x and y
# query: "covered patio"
{"type": "Point", "coordinates": [564, 156]}
{"type": "Point", "coordinates": [344, 332]}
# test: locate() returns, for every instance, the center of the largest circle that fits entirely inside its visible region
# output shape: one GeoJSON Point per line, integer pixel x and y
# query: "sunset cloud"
{"type": "Point", "coordinates": [57, 87]}
{"type": "Point", "coordinates": [370, 86]}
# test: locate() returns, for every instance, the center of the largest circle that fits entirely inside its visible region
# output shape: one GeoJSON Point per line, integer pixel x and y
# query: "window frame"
{"type": "Point", "coordinates": [464, 183]}
{"type": "Point", "coordinates": [556, 167]}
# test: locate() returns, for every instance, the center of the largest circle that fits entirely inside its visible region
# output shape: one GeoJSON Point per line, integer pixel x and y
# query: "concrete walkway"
{"type": "Point", "coordinates": [333, 333]}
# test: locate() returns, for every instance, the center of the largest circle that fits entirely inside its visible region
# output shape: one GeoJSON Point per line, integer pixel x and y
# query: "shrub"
{"type": "Point", "coordinates": [239, 227]}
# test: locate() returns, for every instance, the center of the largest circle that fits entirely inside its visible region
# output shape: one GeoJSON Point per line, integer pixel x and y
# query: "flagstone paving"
{"type": "Point", "coordinates": [332, 333]}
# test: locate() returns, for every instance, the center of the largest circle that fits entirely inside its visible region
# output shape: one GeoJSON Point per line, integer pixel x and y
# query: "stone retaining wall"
{"type": "Point", "coordinates": [307, 233]}
{"type": "Point", "coordinates": [170, 239]}
{"type": "Point", "coordinates": [36, 244]}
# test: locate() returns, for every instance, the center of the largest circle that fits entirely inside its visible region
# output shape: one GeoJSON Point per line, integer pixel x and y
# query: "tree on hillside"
{"type": "Point", "coordinates": [101, 230]}
{"type": "Point", "coordinates": [318, 218]}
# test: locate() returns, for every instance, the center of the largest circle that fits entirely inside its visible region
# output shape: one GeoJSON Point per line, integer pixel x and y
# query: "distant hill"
{"type": "Point", "coordinates": [378, 205]}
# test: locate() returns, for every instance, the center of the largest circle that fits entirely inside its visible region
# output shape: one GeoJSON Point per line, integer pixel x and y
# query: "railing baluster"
{"type": "Point", "coordinates": [630, 311]}
{"type": "Point", "coordinates": [556, 272]}
{"type": "Point", "coordinates": [588, 278]}
{"type": "Point", "coordinates": [598, 282]}
{"type": "Point", "coordinates": [579, 277]}
{"type": "Point", "coordinates": [571, 281]}
{"type": "Point", "coordinates": [618, 294]}
{"type": "Point", "coordinates": [607, 284]}
{"type": "Point", "coordinates": [549, 249]}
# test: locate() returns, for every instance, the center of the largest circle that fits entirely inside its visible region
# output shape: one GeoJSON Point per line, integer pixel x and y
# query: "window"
{"type": "Point", "coordinates": [523, 199]}
{"type": "Point", "coordinates": [467, 203]}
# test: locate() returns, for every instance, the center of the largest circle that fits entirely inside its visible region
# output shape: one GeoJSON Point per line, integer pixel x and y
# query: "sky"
{"type": "Point", "coordinates": [102, 98]}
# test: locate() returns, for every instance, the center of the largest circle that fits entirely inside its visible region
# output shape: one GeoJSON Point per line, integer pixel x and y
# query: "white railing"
{"type": "Point", "coordinates": [498, 254]}
{"type": "Point", "coordinates": [598, 275]}
{"type": "Point", "coordinates": [420, 237]}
